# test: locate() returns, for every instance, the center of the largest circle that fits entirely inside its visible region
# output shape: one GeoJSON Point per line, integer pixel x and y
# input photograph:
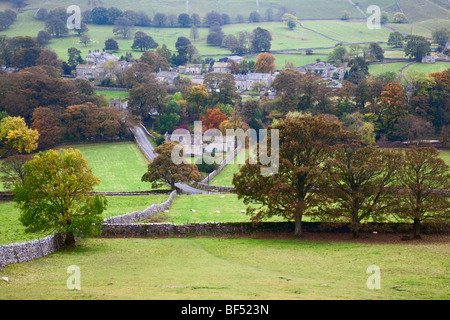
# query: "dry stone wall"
{"type": "Point", "coordinates": [213, 228]}
{"type": "Point", "coordinates": [141, 215]}
{"type": "Point", "coordinates": [27, 251]}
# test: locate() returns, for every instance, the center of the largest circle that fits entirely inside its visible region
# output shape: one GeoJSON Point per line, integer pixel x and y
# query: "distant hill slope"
{"type": "Point", "coordinates": [306, 9]}
{"type": "Point", "coordinates": [422, 10]}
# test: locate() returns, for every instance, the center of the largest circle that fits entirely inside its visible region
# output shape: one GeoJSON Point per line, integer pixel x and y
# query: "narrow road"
{"type": "Point", "coordinates": [148, 150]}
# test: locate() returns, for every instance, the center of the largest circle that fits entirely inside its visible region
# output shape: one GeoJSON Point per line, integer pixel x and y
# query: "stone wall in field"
{"type": "Point", "coordinates": [27, 251]}
{"type": "Point", "coordinates": [169, 229]}
{"type": "Point", "coordinates": [141, 215]}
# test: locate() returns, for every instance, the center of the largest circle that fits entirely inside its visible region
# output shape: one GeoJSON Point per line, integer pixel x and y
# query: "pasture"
{"type": "Point", "coordinates": [348, 31]}
{"type": "Point", "coordinates": [243, 268]}
{"type": "Point", "coordinates": [120, 165]}
{"type": "Point", "coordinates": [11, 230]}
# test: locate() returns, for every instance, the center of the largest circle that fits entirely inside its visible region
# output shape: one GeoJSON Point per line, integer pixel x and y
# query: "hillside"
{"type": "Point", "coordinates": [304, 9]}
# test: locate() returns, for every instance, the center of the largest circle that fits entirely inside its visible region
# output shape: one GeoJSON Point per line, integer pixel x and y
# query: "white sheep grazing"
{"type": "Point", "coordinates": [193, 210]}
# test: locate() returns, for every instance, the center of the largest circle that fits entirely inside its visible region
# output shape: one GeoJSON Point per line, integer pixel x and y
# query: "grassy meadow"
{"type": "Point", "coordinates": [11, 230]}
{"type": "Point", "coordinates": [234, 268]}
{"type": "Point", "coordinates": [111, 94]}
{"type": "Point", "coordinates": [119, 166]}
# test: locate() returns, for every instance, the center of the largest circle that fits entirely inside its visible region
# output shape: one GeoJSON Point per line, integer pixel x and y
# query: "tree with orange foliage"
{"type": "Point", "coordinates": [392, 107]}
{"type": "Point", "coordinates": [265, 63]}
{"type": "Point", "coordinates": [213, 118]}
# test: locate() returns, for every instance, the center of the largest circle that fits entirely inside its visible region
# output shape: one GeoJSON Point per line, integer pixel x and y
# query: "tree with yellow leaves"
{"type": "Point", "coordinates": [15, 133]}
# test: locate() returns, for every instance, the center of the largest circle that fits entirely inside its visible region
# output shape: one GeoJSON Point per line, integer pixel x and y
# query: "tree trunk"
{"type": "Point", "coordinates": [355, 229]}
{"type": "Point", "coordinates": [70, 239]}
{"type": "Point", "coordinates": [298, 226]}
{"type": "Point", "coordinates": [417, 229]}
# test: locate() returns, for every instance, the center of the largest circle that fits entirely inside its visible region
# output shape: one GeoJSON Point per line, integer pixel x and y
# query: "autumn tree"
{"type": "Point", "coordinates": [287, 83]}
{"type": "Point", "coordinates": [48, 123]}
{"type": "Point", "coordinates": [155, 61]}
{"type": "Point", "coordinates": [392, 107]}
{"type": "Point", "coordinates": [265, 63]}
{"type": "Point", "coordinates": [213, 118]}
{"type": "Point", "coordinates": [305, 142]}
{"type": "Point", "coordinates": [355, 188]}
{"type": "Point", "coordinates": [423, 178]}
{"type": "Point", "coordinates": [147, 98]}
{"type": "Point", "coordinates": [164, 170]}
{"type": "Point", "coordinates": [221, 88]}
{"type": "Point", "coordinates": [15, 133]}
{"type": "Point", "coordinates": [55, 195]}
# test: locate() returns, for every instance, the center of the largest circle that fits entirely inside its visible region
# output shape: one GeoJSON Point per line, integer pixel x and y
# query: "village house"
{"type": "Point", "coordinates": [429, 59]}
{"type": "Point", "coordinates": [326, 70]}
{"type": "Point", "coordinates": [94, 68]}
{"type": "Point", "coordinates": [222, 67]}
{"type": "Point", "coordinates": [246, 81]}
{"type": "Point", "coordinates": [169, 77]}
{"type": "Point", "coordinates": [118, 104]}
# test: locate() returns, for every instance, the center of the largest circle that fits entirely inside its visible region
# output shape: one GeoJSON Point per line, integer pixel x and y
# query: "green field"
{"type": "Point", "coordinates": [208, 208]}
{"type": "Point", "coordinates": [348, 31]}
{"type": "Point", "coordinates": [239, 268]}
{"type": "Point", "coordinates": [110, 94]}
{"type": "Point", "coordinates": [427, 68]}
{"type": "Point", "coordinates": [120, 165]}
{"type": "Point", "coordinates": [376, 69]}
{"type": "Point", "coordinates": [11, 230]}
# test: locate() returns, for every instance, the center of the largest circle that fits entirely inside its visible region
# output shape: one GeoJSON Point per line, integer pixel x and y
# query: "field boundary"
{"type": "Point", "coordinates": [30, 250]}
{"type": "Point", "coordinates": [229, 228]}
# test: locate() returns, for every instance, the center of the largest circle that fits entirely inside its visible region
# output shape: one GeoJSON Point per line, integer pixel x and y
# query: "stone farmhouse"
{"type": "Point", "coordinates": [118, 104]}
{"type": "Point", "coordinates": [94, 68]}
{"type": "Point", "coordinates": [222, 67]}
{"type": "Point", "coordinates": [246, 81]}
{"type": "Point", "coordinates": [326, 70]}
{"type": "Point", "coordinates": [429, 59]}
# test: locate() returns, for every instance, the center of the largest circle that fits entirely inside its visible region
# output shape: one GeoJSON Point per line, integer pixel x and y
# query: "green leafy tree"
{"type": "Point", "coordinates": [55, 195]}
{"type": "Point", "coordinates": [261, 40]}
{"type": "Point", "coordinates": [164, 170]}
{"type": "Point", "coordinates": [111, 45]}
{"type": "Point", "coordinates": [396, 39]}
{"type": "Point", "coordinates": [417, 47]}
{"type": "Point", "coordinates": [143, 41]}
{"type": "Point", "coordinates": [123, 27]}
{"type": "Point", "coordinates": [441, 36]}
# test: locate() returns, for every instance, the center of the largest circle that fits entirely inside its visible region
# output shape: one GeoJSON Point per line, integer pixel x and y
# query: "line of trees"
{"type": "Point", "coordinates": [327, 173]}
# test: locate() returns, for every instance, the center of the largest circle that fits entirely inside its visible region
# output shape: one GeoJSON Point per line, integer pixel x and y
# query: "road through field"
{"type": "Point", "coordinates": [148, 151]}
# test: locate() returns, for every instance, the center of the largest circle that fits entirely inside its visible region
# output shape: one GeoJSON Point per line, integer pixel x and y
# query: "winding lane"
{"type": "Point", "coordinates": [147, 149]}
